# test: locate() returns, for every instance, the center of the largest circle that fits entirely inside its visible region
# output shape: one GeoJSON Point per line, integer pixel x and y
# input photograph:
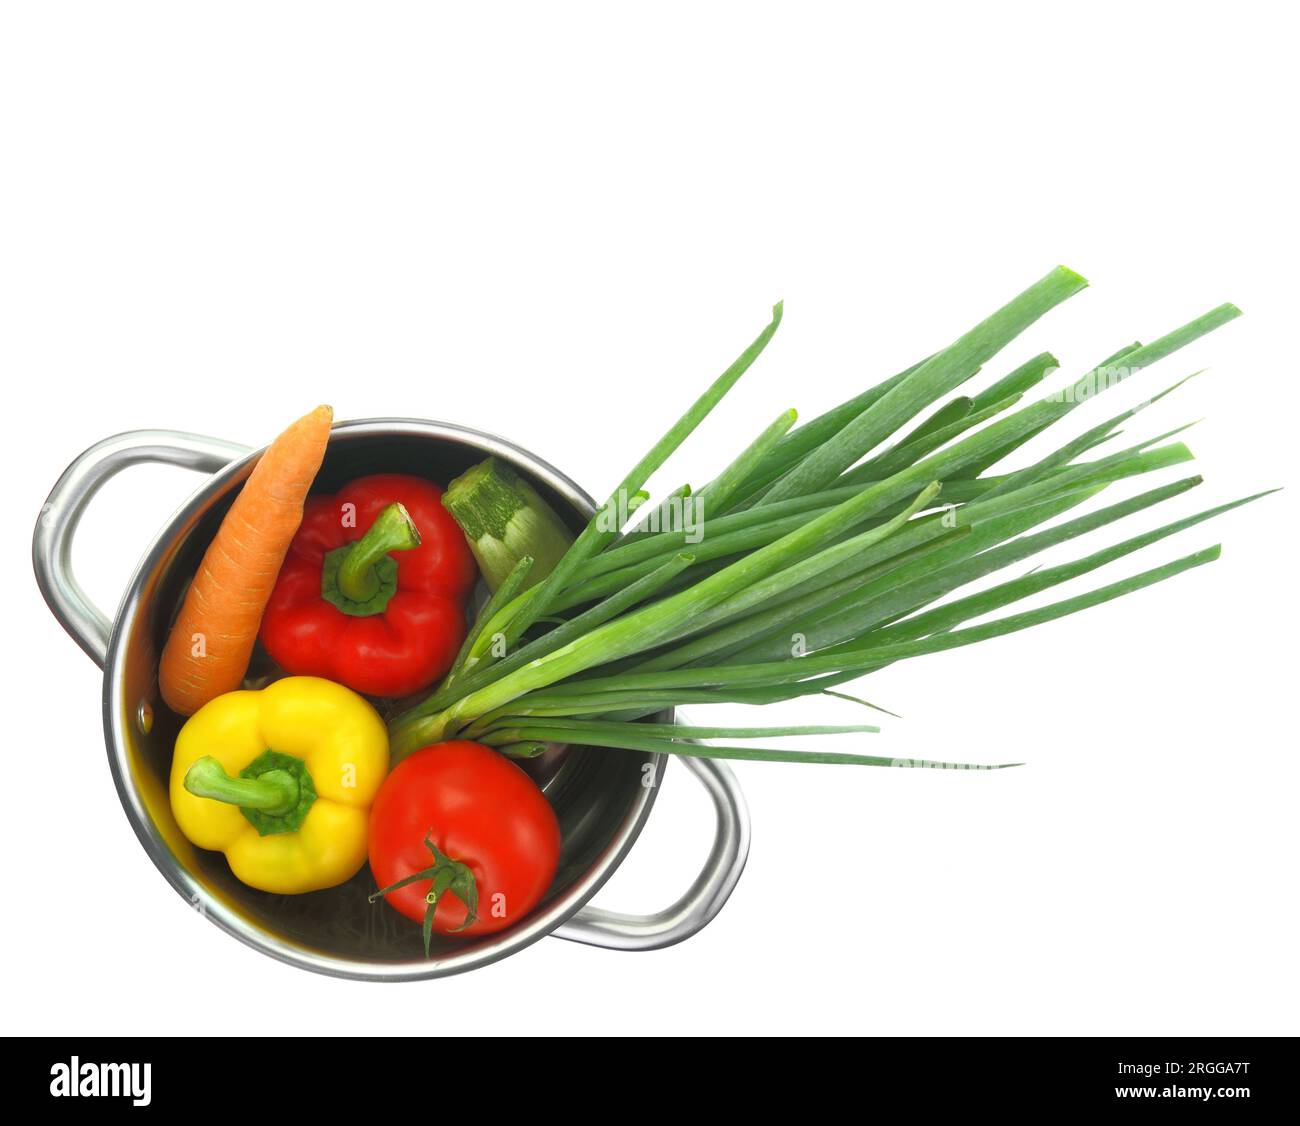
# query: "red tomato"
{"type": "Point", "coordinates": [480, 810]}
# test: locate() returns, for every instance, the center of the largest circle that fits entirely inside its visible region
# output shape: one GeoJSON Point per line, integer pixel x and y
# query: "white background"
{"type": "Point", "coordinates": [558, 222]}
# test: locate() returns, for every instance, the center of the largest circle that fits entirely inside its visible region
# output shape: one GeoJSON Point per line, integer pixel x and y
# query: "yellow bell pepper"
{"type": "Point", "coordinates": [281, 781]}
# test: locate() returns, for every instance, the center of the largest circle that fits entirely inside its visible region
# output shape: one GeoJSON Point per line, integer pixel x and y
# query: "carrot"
{"type": "Point", "coordinates": [211, 641]}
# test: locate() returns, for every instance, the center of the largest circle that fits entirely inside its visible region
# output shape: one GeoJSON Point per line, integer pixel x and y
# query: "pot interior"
{"type": "Point", "coordinates": [598, 794]}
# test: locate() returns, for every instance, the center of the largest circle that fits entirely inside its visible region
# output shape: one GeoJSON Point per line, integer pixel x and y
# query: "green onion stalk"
{"type": "Point", "coordinates": [819, 554]}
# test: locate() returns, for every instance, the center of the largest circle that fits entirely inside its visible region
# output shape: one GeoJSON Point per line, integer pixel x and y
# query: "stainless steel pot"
{"type": "Point", "coordinates": [602, 797]}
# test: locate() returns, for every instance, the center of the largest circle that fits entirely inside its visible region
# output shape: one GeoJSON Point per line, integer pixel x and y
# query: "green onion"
{"type": "Point", "coordinates": [814, 567]}
{"type": "Point", "coordinates": [505, 591]}
{"type": "Point", "coordinates": [596, 534]}
{"type": "Point", "coordinates": [938, 375]}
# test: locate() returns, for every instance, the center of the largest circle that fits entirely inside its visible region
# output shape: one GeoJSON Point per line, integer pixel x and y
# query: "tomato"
{"type": "Point", "coordinates": [469, 818]}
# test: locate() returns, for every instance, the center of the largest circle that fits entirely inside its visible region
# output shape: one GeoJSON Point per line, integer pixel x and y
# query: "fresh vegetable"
{"type": "Point", "coordinates": [823, 554]}
{"type": "Point", "coordinates": [210, 644]}
{"type": "Point", "coordinates": [462, 840]}
{"type": "Point", "coordinates": [504, 519]}
{"type": "Point", "coordinates": [371, 591]}
{"type": "Point", "coordinates": [281, 781]}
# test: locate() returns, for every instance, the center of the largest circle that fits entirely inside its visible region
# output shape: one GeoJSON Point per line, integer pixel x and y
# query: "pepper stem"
{"type": "Point", "coordinates": [275, 792]}
{"type": "Point", "coordinates": [393, 530]}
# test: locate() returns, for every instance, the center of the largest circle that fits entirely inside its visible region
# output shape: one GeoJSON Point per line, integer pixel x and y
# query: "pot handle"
{"type": "Point", "coordinates": [706, 896]}
{"type": "Point", "coordinates": [57, 524]}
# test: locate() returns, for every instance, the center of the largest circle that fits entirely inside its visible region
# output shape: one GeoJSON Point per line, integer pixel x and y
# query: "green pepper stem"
{"type": "Point", "coordinates": [274, 792]}
{"type": "Point", "coordinates": [393, 530]}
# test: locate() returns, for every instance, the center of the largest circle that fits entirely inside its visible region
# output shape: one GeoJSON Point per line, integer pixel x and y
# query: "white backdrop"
{"type": "Point", "coordinates": [558, 222]}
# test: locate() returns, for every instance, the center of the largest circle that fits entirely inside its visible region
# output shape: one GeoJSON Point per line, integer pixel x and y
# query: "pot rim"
{"type": "Point", "coordinates": [118, 716]}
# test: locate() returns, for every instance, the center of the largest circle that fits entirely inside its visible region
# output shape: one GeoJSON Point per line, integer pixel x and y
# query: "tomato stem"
{"type": "Point", "coordinates": [446, 875]}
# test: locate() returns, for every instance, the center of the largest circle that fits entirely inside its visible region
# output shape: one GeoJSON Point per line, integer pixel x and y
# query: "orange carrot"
{"type": "Point", "coordinates": [211, 641]}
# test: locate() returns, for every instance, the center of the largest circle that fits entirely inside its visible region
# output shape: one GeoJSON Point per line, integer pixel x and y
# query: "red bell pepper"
{"type": "Point", "coordinates": [345, 609]}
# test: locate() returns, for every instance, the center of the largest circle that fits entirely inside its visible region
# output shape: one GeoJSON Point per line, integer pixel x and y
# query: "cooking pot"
{"type": "Point", "coordinates": [602, 797]}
